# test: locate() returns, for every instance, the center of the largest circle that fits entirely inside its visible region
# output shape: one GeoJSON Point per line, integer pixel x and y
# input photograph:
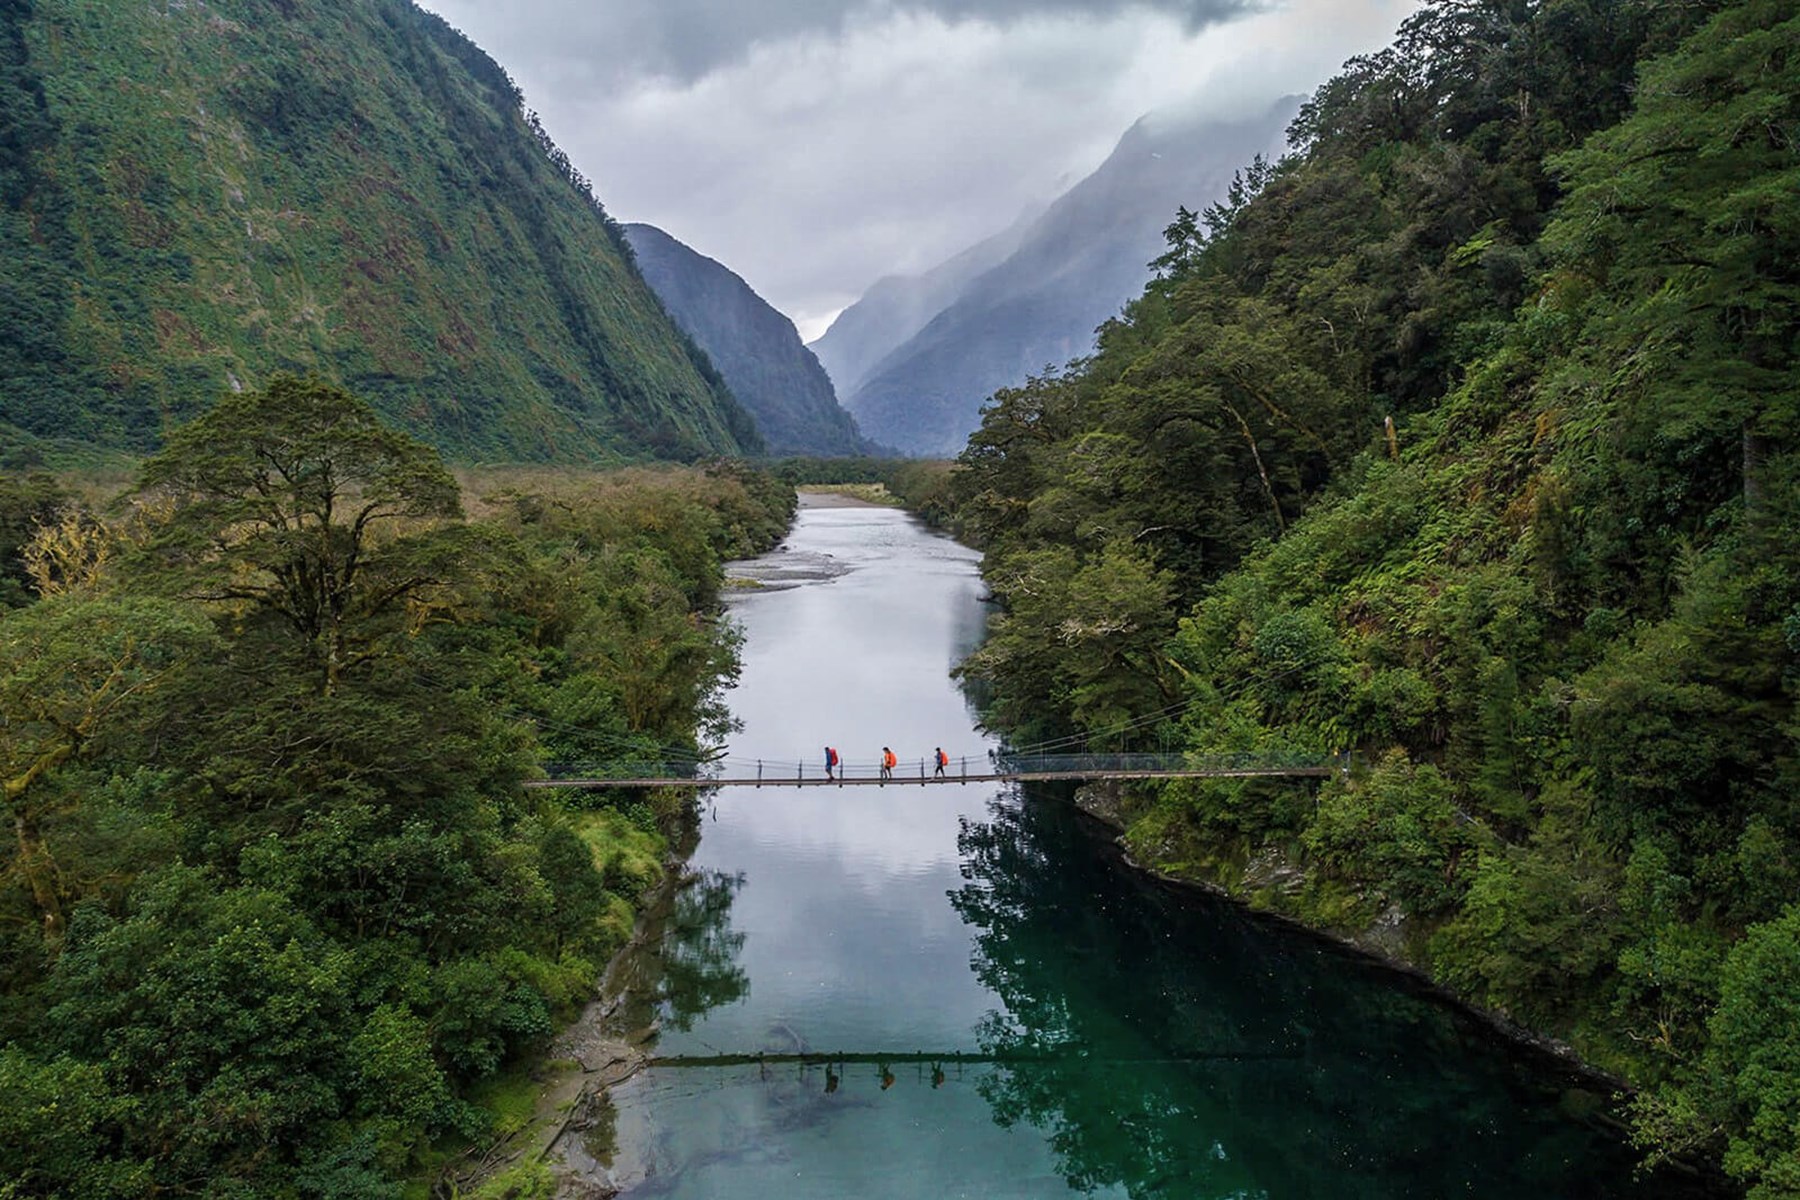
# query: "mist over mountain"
{"type": "Point", "coordinates": [194, 196]}
{"type": "Point", "coordinates": [898, 306]}
{"type": "Point", "coordinates": [755, 348]}
{"type": "Point", "coordinates": [1073, 268]}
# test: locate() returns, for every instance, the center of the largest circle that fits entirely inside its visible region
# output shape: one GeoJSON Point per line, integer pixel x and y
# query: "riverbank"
{"type": "Point", "coordinates": [1104, 805]}
{"type": "Point", "coordinates": [847, 495]}
{"type": "Point", "coordinates": [604, 1044]}
{"type": "Point", "coordinates": [607, 1043]}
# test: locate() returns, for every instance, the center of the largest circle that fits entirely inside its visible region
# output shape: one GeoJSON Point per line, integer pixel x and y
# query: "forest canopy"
{"type": "Point", "coordinates": [1466, 438]}
{"type": "Point", "coordinates": [276, 908]}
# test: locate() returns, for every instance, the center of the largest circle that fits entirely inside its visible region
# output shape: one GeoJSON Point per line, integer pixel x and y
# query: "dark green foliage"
{"type": "Point", "coordinates": [1467, 440]}
{"type": "Point", "coordinates": [1753, 1058]}
{"type": "Point", "coordinates": [194, 199]}
{"type": "Point", "coordinates": [60, 1131]}
{"type": "Point", "coordinates": [222, 1011]}
{"type": "Point", "coordinates": [1398, 835]}
{"type": "Point", "coordinates": [275, 904]}
{"type": "Point", "coordinates": [284, 499]}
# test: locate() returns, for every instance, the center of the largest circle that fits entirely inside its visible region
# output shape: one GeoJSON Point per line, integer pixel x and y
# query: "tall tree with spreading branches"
{"type": "Point", "coordinates": [297, 503]}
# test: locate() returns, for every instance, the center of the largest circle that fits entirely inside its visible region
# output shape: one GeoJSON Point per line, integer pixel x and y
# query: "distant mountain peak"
{"type": "Point", "coordinates": [1038, 304]}
{"type": "Point", "coordinates": [897, 306]}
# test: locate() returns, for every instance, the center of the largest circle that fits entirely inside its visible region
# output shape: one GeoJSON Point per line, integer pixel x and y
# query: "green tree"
{"type": "Point", "coordinates": [296, 502]}
{"type": "Point", "coordinates": [1753, 1058]}
{"type": "Point", "coordinates": [26, 502]}
{"type": "Point", "coordinates": [60, 1128]}
{"type": "Point", "coordinates": [1682, 242]}
{"type": "Point", "coordinates": [74, 671]}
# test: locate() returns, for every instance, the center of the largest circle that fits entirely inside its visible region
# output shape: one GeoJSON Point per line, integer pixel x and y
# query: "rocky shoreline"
{"type": "Point", "coordinates": [603, 1047]}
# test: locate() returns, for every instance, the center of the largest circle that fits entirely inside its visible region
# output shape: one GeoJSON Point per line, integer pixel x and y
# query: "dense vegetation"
{"type": "Point", "coordinates": [194, 196]}
{"type": "Point", "coordinates": [276, 909]}
{"type": "Point", "coordinates": [1467, 438]}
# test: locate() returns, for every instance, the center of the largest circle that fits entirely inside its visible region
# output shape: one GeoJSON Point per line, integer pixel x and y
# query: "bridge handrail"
{"type": "Point", "coordinates": [998, 763]}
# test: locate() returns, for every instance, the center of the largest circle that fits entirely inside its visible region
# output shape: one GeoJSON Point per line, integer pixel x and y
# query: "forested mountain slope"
{"type": "Point", "coordinates": [756, 349]}
{"type": "Point", "coordinates": [195, 195]}
{"type": "Point", "coordinates": [1553, 607]}
{"type": "Point", "coordinates": [1073, 268]}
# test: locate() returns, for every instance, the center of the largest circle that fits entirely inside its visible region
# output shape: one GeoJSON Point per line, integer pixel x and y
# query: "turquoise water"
{"type": "Point", "coordinates": [1151, 1043]}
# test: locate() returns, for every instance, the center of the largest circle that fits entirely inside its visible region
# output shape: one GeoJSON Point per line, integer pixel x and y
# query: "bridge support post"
{"type": "Point", "coordinates": [759, 772]}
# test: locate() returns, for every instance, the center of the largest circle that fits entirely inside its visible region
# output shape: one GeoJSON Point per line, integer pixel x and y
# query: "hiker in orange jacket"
{"type": "Point", "coordinates": [887, 763]}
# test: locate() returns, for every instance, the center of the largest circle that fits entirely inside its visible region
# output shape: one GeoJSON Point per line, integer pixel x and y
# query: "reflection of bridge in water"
{"type": "Point", "coordinates": [999, 768]}
{"type": "Point", "coordinates": [809, 1058]}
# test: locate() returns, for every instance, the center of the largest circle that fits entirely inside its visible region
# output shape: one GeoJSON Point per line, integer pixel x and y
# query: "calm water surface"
{"type": "Point", "coordinates": [1158, 1044]}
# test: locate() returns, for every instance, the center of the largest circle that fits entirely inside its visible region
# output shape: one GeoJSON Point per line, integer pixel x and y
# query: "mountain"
{"type": "Point", "coordinates": [898, 306]}
{"type": "Point", "coordinates": [755, 348]}
{"type": "Point", "coordinates": [193, 196]}
{"type": "Point", "coordinates": [1074, 268]}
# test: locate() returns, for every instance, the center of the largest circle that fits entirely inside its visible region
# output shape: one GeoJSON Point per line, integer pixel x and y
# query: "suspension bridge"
{"type": "Point", "coordinates": [962, 769]}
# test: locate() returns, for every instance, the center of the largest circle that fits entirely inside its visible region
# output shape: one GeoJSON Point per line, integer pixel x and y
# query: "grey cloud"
{"type": "Point", "coordinates": [685, 40]}
{"type": "Point", "coordinates": [836, 141]}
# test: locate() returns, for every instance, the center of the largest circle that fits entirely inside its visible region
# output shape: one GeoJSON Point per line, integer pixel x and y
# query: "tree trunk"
{"type": "Point", "coordinates": [34, 858]}
{"type": "Point", "coordinates": [40, 873]}
{"type": "Point", "coordinates": [1756, 452]}
{"type": "Point", "coordinates": [1261, 471]}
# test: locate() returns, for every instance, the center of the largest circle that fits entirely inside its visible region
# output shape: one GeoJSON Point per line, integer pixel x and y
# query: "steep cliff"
{"type": "Point", "coordinates": [755, 348]}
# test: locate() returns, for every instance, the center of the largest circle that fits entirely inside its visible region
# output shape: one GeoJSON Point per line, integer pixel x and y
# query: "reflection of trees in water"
{"type": "Point", "coordinates": [698, 955]}
{"type": "Point", "coordinates": [1128, 989]}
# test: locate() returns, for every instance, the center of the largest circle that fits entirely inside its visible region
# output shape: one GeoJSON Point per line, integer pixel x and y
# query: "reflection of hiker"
{"type": "Point", "coordinates": [831, 762]}
{"type": "Point", "coordinates": [831, 1080]}
{"type": "Point", "coordinates": [887, 1077]}
{"type": "Point", "coordinates": [887, 763]}
{"type": "Point", "coordinates": [943, 760]}
{"type": "Point", "coordinates": [937, 1075]}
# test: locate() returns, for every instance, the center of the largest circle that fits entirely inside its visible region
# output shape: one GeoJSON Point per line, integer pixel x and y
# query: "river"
{"type": "Point", "coordinates": [1149, 1042]}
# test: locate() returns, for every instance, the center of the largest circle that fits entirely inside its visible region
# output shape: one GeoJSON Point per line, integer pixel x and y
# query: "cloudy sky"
{"type": "Point", "coordinates": [815, 145]}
